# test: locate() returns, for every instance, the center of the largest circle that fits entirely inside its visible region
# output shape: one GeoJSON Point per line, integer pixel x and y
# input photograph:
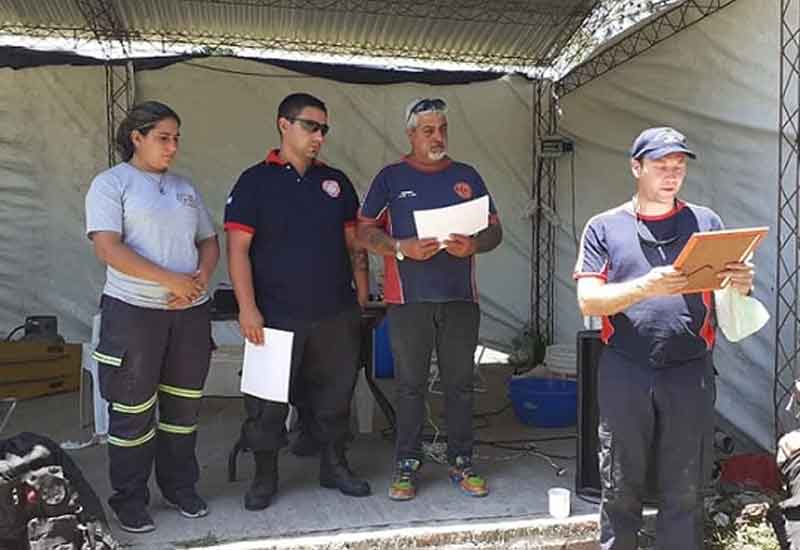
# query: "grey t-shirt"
{"type": "Point", "coordinates": [160, 218]}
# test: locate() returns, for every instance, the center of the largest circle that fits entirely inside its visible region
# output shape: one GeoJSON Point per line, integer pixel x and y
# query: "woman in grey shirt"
{"type": "Point", "coordinates": [153, 232]}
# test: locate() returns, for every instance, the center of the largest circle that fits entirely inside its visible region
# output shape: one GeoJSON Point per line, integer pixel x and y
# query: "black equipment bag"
{"type": "Point", "coordinates": [45, 502]}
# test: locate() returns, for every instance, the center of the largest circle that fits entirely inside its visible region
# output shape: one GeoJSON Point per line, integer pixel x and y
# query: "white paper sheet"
{"type": "Point", "coordinates": [266, 369]}
{"type": "Point", "coordinates": [466, 218]}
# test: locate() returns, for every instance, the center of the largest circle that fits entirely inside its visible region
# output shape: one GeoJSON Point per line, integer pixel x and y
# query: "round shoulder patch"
{"type": "Point", "coordinates": [463, 190]}
{"type": "Point", "coordinates": [332, 188]}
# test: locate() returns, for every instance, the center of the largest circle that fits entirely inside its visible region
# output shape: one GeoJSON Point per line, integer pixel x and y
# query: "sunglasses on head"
{"type": "Point", "coordinates": [311, 126]}
{"type": "Point", "coordinates": [144, 128]}
{"type": "Point", "coordinates": [427, 104]}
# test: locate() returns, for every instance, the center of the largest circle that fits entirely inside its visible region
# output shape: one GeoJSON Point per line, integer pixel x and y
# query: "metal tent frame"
{"type": "Point", "coordinates": [787, 284]}
{"type": "Point", "coordinates": [107, 27]}
{"type": "Point", "coordinates": [661, 27]}
{"type": "Point", "coordinates": [543, 226]}
{"type": "Point", "coordinates": [104, 24]}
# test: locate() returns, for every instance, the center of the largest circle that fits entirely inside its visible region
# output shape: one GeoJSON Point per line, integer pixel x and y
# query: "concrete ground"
{"type": "Point", "coordinates": [518, 482]}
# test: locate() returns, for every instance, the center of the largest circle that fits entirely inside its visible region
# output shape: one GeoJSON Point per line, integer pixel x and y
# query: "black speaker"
{"type": "Point", "coordinates": [587, 476]}
{"type": "Point", "coordinates": [42, 328]}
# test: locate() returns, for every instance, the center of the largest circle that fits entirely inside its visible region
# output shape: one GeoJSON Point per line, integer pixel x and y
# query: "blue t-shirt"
{"type": "Point", "coordinates": [618, 246]}
{"type": "Point", "coordinates": [301, 266]}
{"type": "Point", "coordinates": [396, 192]}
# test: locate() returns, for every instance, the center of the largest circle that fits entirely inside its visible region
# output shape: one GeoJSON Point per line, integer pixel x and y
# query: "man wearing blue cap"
{"type": "Point", "coordinates": [656, 379]}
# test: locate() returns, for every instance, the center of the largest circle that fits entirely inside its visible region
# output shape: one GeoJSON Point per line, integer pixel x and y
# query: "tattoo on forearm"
{"type": "Point", "coordinates": [359, 259]}
{"type": "Point", "coordinates": [378, 241]}
{"type": "Point", "coordinates": [489, 238]}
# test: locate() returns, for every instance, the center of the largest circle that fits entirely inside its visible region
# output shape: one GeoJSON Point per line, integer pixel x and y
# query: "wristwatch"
{"type": "Point", "coordinates": [398, 252]}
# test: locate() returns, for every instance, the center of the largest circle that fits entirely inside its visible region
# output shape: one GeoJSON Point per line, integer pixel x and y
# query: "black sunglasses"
{"type": "Point", "coordinates": [645, 235]}
{"type": "Point", "coordinates": [427, 104]}
{"type": "Point", "coordinates": [311, 126]}
{"type": "Point", "coordinates": [647, 239]}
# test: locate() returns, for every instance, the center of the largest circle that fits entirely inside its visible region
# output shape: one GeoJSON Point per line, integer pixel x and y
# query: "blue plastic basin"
{"type": "Point", "coordinates": [544, 402]}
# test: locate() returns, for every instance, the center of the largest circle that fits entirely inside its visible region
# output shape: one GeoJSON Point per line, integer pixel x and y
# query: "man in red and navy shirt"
{"type": "Point", "coordinates": [656, 379]}
{"type": "Point", "coordinates": [292, 257]}
{"type": "Point", "coordinates": [431, 289]}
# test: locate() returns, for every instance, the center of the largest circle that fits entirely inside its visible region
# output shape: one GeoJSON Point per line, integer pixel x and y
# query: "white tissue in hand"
{"type": "Point", "coordinates": [738, 316]}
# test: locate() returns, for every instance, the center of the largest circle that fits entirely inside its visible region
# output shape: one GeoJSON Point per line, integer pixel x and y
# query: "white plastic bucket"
{"type": "Point", "coordinates": [558, 502]}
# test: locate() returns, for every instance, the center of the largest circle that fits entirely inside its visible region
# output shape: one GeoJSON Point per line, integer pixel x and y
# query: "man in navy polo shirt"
{"type": "Point", "coordinates": [292, 258]}
{"type": "Point", "coordinates": [656, 379]}
{"type": "Point", "coordinates": [431, 290]}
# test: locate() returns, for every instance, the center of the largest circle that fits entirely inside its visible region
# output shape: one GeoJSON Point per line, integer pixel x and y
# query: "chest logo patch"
{"type": "Point", "coordinates": [463, 190]}
{"type": "Point", "coordinates": [332, 188]}
{"type": "Point", "coordinates": [187, 200]}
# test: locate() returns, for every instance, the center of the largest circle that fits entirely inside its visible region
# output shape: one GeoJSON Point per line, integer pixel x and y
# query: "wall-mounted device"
{"type": "Point", "coordinates": [554, 146]}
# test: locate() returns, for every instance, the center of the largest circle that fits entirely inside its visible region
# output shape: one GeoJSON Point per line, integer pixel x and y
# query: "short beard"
{"type": "Point", "coordinates": [436, 157]}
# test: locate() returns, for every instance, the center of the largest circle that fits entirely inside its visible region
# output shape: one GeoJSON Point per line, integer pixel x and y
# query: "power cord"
{"type": "Point", "coordinates": [435, 450]}
{"type": "Point", "coordinates": [13, 332]}
{"type": "Point", "coordinates": [434, 445]}
{"type": "Point", "coordinates": [591, 500]}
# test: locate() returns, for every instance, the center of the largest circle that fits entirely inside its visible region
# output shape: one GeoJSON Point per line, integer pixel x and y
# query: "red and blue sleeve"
{"type": "Point", "coordinates": [377, 201]}
{"type": "Point", "coordinates": [593, 258]}
{"type": "Point", "coordinates": [483, 190]}
{"type": "Point", "coordinates": [241, 208]}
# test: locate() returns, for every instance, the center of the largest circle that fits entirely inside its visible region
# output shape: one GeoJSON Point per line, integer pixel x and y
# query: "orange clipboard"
{"type": "Point", "coordinates": [707, 252]}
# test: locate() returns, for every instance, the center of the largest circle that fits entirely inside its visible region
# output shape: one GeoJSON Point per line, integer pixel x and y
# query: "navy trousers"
{"type": "Point", "coordinates": [325, 365]}
{"type": "Point", "coordinates": [415, 330]}
{"type": "Point", "coordinates": [655, 424]}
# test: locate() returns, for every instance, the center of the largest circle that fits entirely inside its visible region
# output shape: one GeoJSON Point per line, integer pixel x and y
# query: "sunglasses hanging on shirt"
{"type": "Point", "coordinates": [646, 236]}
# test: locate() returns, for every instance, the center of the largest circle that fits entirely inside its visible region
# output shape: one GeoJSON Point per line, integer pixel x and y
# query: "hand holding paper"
{"type": "Point", "coordinates": [267, 368]}
{"type": "Point", "coordinates": [420, 249]}
{"type": "Point", "coordinates": [251, 325]}
{"type": "Point", "coordinates": [466, 218]}
{"type": "Point", "coordinates": [461, 246]}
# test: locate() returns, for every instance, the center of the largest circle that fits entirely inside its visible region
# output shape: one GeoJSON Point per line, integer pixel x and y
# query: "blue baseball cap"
{"type": "Point", "coordinates": [655, 143]}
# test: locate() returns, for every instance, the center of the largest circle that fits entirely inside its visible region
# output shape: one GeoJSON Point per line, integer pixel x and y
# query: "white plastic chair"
{"type": "Point", "coordinates": [89, 364]}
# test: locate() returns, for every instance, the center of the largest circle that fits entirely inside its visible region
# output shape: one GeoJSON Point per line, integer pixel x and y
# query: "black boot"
{"type": "Point", "coordinates": [265, 482]}
{"type": "Point", "coordinates": [305, 444]}
{"type": "Point", "coordinates": [334, 473]}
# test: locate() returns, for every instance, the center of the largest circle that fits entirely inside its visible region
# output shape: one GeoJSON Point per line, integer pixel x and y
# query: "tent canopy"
{"type": "Point", "coordinates": [716, 82]}
{"type": "Point", "coordinates": [502, 33]}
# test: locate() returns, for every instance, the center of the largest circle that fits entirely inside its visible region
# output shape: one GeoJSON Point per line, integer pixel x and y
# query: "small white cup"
{"type": "Point", "coordinates": [558, 502]}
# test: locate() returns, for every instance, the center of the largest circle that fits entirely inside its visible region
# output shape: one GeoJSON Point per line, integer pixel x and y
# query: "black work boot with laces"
{"type": "Point", "coordinates": [265, 482]}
